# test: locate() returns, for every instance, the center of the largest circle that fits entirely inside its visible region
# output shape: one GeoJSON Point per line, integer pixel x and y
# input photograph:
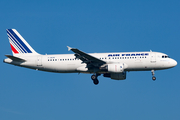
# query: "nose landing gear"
{"type": "Point", "coordinates": [94, 78]}
{"type": "Point", "coordinates": [153, 78]}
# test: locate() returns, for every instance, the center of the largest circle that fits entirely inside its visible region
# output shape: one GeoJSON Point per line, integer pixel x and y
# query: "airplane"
{"type": "Point", "coordinates": [111, 65]}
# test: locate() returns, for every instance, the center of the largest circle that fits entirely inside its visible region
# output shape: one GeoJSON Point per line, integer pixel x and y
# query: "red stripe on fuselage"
{"type": "Point", "coordinates": [14, 50]}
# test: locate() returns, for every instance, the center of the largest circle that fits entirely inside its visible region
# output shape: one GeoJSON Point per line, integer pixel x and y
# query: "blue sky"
{"type": "Point", "coordinates": [91, 26]}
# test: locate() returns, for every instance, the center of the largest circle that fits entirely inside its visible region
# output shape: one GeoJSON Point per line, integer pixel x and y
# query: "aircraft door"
{"type": "Point", "coordinates": [39, 61]}
{"type": "Point", "coordinates": [153, 57]}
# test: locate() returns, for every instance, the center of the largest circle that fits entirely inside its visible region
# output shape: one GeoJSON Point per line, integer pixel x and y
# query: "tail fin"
{"type": "Point", "coordinates": [18, 44]}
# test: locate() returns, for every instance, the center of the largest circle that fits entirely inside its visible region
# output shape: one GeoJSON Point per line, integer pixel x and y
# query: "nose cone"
{"type": "Point", "coordinates": [173, 63]}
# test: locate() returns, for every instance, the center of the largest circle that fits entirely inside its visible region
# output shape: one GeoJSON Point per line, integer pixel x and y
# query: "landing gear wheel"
{"type": "Point", "coordinates": [96, 81]}
{"type": "Point", "coordinates": [154, 78]}
{"type": "Point", "coordinates": [93, 77]}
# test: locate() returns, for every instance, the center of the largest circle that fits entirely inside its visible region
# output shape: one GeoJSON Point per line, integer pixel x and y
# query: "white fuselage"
{"type": "Point", "coordinates": [111, 65]}
{"type": "Point", "coordinates": [68, 63]}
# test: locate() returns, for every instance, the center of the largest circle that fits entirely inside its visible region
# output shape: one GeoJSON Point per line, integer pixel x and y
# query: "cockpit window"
{"type": "Point", "coordinates": [165, 56]}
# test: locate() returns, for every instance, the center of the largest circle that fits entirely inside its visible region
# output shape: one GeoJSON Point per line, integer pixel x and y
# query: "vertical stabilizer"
{"type": "Point", "coordinates": [18, 44]}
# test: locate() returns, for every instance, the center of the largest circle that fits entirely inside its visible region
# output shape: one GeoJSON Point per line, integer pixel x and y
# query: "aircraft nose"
{"type": "Point", "coordinates": [174, 63]}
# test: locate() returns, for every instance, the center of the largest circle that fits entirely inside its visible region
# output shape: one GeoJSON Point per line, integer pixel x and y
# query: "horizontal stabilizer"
{"type": "Point", "coordinates": [15, 58]}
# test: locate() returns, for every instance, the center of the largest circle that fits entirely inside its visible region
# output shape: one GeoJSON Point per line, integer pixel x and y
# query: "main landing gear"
{"type": "Point", "coordinates": [94, 78]}
{"type": "Point", "coordinates": [153, 78]}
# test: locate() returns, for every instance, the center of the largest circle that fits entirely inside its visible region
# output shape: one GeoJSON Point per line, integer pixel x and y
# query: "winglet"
{"type": "Point", "coordinates": [69, 48]}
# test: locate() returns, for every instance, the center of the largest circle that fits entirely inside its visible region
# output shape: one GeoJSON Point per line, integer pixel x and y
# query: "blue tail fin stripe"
{"type": "Point", "coordinates": [15, 41]}
{"type": "Point", "coordinates": [15, 45]}
{"type": "Point", "coordinates": [18, 41]}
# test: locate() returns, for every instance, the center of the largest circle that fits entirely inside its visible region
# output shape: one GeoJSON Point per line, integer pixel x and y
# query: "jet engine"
{"type": "Point", "coordinates": [115, 68]}
{"type": "Point", "coordinates": [116, 76]}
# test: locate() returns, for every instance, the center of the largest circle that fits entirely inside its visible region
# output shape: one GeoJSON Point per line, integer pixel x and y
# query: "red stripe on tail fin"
{"type": "Point", "coordinates": [14, 50]}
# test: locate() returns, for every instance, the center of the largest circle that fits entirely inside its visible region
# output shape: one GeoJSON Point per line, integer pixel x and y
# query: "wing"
{"type": "Point", "coordinates": [91, 61]}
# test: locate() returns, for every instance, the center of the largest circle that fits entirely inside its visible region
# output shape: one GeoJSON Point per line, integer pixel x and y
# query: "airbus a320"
{"type": "Point", "coordinates": [111, 65]}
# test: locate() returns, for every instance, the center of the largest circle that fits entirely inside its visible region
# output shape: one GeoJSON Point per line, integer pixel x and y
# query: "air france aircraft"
{"type": "Point", "coordinates": [111, 65]}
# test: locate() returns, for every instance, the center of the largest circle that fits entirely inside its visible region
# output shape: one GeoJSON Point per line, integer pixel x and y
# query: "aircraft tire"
{"type": "Point", "coordinates": [96, 81]}
{"type": "Point", "coordinates": [153, 78]}
{"type": "Point", "coordinates": [93, 77]}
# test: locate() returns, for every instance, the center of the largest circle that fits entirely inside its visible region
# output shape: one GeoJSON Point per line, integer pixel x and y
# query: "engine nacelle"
{"type": "Point", "coordinates": [116, 76]}
{"type": "Point", "coordinates": [115, 68]}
